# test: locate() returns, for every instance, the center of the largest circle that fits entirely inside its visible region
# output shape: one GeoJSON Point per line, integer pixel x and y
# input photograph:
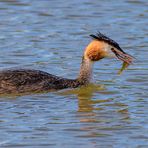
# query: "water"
{"type": "Point", "coordinates": [51, 36]}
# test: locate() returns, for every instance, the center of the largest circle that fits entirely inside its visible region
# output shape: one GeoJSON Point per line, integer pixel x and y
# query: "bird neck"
{"type": "Point", "coordinates": [85, 74]}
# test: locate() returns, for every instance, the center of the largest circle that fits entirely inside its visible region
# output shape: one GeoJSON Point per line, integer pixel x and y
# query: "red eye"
{"type": "Point", "coordinates": [113, 50]}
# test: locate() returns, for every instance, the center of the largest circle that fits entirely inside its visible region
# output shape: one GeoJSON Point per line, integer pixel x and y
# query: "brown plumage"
{"type": "Point", "coordinates": [25, 81]}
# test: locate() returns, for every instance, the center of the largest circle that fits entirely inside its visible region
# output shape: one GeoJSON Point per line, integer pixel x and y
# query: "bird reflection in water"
{"type": "Point", "coordinates": [91, 109]}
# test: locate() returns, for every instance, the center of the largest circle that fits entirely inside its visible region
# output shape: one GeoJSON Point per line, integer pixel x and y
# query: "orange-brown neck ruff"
{"type": "Point", "coordinates": [95, 50]}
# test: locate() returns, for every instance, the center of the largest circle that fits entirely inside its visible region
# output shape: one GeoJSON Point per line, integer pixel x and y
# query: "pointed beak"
{"type": "Point", "coordinates": [121, 55]}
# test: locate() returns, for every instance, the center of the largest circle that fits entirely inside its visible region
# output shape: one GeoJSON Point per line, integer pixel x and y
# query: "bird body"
{"type": "Point", "coordinates": [26, 80]}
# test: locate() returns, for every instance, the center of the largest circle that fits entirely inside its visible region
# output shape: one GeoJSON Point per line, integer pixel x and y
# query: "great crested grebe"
{"type": "Point", "coordinates": [24, 80]}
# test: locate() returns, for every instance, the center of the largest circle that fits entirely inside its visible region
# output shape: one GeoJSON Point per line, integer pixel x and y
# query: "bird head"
{"type": "Point", "coordinates": [102, 46]}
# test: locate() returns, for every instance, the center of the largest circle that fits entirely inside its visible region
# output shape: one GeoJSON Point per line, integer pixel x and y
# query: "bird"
{"type": "Point", "coordinates": [29, 80]}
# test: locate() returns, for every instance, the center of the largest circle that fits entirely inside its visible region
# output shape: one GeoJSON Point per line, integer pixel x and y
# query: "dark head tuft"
{"type": "Point", "coordinates": [101, 37]}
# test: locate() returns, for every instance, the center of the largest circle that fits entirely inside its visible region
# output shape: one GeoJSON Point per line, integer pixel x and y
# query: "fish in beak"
{"type": "Point", "coordinates": [121, 55]}
{"type": "Point", "coordinates": [126, 58]}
